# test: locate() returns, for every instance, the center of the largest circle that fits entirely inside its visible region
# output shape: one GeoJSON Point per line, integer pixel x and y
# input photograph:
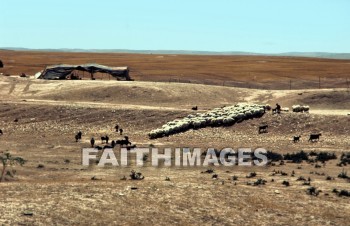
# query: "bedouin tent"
{"type": "Point", "coordinates": [1, 64]}
{"type": "Point", "coordinates": [63, 70]}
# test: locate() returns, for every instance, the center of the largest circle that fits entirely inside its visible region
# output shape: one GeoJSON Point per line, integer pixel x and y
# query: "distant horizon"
{"type": "Point", "coordinates": [328, 55]}
{"type": "Point", "coordinates": [253, 26]}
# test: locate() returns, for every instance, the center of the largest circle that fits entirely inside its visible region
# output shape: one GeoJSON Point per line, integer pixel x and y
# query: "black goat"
{"type": "Point", "coordinates": [105, 138]}
{"type": "Point", "coordinates": [123, 142]}
{"type": "Point", "coordinates": [296, 139]}
{"type": "Point", "coordinates": [315, 137]}
{"type": "Point", "coordinates": [263, 129]}
{"type": "Point", "coordinates": [78, 136]}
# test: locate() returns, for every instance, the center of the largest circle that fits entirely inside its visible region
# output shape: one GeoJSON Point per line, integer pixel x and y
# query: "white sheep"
{"type": "Point", "coordinates": [216, 117]}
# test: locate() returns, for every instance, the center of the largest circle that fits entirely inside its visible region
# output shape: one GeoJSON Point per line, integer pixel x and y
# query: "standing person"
{"type": "Point", "coordinates": [121, 131]}
{"type": "Point", "coordinates": [116, 128]}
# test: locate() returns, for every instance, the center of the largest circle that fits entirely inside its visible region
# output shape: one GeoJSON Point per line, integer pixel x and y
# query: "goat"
{"type": "Point", "coordinates": [314, 137]}
{"type": "Point", "coordinates": [296, 138]}
{"type": "Point", "coordinates": [79, 134]}
{"type": "Point", "coordinates": [77, 138]}
{"type": "Point", "coordinates": [92, 142]}
{"type": "Point", "coordinates": [105, 138]}
{"type": "Point", "coordinates": [123, 142]}
{"type": "Point", "coordinates": [263, 129]}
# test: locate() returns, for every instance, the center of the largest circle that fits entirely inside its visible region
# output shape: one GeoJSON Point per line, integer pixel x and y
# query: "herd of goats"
{"type": "Point", "coordinates": [105, 139]}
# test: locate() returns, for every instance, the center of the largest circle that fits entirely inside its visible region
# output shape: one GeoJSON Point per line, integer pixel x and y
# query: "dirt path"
{"type": "Point", "coordinates": [330, 112]}
{"type": "Point", "coordinates": [84, 104]}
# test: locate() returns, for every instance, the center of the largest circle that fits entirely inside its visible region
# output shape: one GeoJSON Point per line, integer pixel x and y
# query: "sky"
{"type": "Point", "coordinates": [264, 26]}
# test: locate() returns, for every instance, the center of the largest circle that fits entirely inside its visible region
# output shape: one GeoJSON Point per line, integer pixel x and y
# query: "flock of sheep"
{"type": "Point", "coordinates": [300, 108]}
{"type": "Point", "coordinates": [225, 116]}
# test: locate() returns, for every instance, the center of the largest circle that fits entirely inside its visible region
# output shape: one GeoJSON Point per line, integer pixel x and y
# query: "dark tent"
{"type": "Point", "coordinates": [64, 70]}
{"type": "Point", "coordinates": [1, 64]}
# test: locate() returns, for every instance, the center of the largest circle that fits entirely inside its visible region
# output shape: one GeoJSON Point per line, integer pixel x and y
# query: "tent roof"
{"type": "Point", "coordinates": [62, 70]}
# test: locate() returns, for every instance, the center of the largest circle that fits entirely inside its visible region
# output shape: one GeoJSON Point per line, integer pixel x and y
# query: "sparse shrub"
{"type": "Point", "coordinates": [95, 178]}
{"type": "Point", "coordinates": [329, 178]}
{"type": "Point", "coordinates": [313, 153]}
{"type": "Point", "coordinates": [344, 159]}
{"type": "Point", "coordinates": [284, 173]}
{"type": "Point", "coordinates": [259, 182]}
{"type": "Point", "coordinates": [136, 175]}
{"type": "Point", "coordinates": [8, 160]}
{"type": "Point", "coordinates": [273, 156]}
{"type": "Point", "coordinates": [234, 178]}
{"type": "Point", "coordinates": [312, 191]}
{"type": "Point", "coordinates": [208, 171]}
{"type": "Point", "coordinates": [341, 192]}
{"type": "Point", "coordinates": [343, 175]}
{"type": "Point", "coordinates": [344, 193]}
{"type": "Point", "coordinates": [251, 175]}
{"type": "Point", "coordinates": [40, 166]}
{"type": "Point", "coordinates": [306, 183]}
{"type": "Point", "coordinates": [286, 183]}
{"type": "Point", "coordinates": [325, 156]}
{"type": "Point", "coordinates": [297, 157]}
{"type": "Point", "coordinates": [301, 178]}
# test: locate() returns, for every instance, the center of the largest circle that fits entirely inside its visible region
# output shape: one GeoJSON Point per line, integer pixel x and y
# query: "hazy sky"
{"type": "Point", "coordinates": [268, 26]}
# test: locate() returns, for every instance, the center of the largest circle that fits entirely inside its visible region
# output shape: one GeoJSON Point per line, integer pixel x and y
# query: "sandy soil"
{"type": "Point", "coordinates": [49, 113]}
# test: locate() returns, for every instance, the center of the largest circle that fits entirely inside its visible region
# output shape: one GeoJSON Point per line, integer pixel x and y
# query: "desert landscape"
{"type": "Point", "coordinates": [39, 119]}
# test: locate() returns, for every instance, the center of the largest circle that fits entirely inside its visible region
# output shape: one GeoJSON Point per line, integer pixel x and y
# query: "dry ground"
{"type": "Point", "coordinates": [49, 113]}
{"type": "Point", "coordinates": [243, 71]}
